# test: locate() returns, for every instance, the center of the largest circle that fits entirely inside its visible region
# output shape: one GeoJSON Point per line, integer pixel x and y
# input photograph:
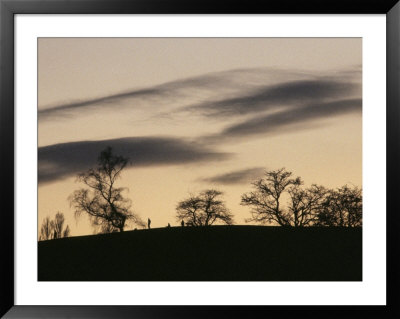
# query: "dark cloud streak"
{"type": "Point", "coordinates": [171, 89]}
{"type": "Point", "coordinates": [274, 96]}
{"type": "Point", "coordinates": [61, 109]}
{"type": "Point", "coordinates": [231, 92]}
{"type": "Point", "coordinates": [236, 177]}
{"type": "Point", "coordinates": [283, 120]}
{"type": "Point", "coordinates": [66, 159]}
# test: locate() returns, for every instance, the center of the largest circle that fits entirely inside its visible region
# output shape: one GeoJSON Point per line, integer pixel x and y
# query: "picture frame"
{"type": "Point", "coordinates": [8, 10]}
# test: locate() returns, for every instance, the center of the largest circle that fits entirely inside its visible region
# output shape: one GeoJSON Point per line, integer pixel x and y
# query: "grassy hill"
{"type": "Point", "coordinates": [217, 253]}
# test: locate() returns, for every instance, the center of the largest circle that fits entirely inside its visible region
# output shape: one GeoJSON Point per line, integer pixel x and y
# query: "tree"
{"type": "Point", "coordinates": [66, 232]}
{"type": "Point", "coordinates": [265, 199]}
{"type": "Point", "coordinates": [102, 200]}
{"type": "Point", "coordinates": [204, 209]}
{"type": "Point", "coordinates": [341, 207]}
{"type": "Point", "coordinates": [304, 203]}
{"type": "Point", "coordinates": [46, 230]}
{"type": "Point", "coordinates": [53, 229]}
{"type": "Point", "coordinates": [58, 225]}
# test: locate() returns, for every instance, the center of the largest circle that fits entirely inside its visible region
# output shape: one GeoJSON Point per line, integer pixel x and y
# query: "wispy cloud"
{"type": "Point", "coordinates": [270, 97]}
{"type": "Point", "coordinates": [63, 109]}
{"type": "Point", "coordinates": [244, 103]}
{"type": "Point", "coordinates": [236, 177]}
{"type": "Point", "coordinates": [226, 92]}
{"type": "Point", "coordinates": [282, 120]}
{"type": "Point", "coordinates": [159, 93]}
{"type": "Point", "coordinates": [66, 159]}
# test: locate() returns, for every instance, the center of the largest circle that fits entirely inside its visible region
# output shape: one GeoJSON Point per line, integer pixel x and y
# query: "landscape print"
{"type": "Point", "coordinates": [199, 159]}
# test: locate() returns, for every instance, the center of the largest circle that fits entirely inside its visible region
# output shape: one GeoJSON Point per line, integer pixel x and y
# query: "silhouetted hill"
{"type": "Point", "coordinates": [216, 253]}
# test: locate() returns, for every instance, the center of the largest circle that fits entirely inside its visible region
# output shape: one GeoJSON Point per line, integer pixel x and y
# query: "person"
{"type": "Point", "coordinates": [182, 223]}
{"type": "Point", "coordinates": [169, 225]}
{"type": "Point", "coordinates": [148, 222]}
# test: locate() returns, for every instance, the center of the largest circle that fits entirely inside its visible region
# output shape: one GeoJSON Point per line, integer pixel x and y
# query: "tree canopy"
{"type": "Point", "coordinates": [102, 201]}
{"type": "Point", "coordinates": [341, 207]}
{"type": "Point", "coordinates": [265, 200]}
{"type": "Point", "coordinates": [204, 209]}
{"type": "Point", "coordinates": [53, 229]}
{"type": "Point", "coordinates": [312, 206]}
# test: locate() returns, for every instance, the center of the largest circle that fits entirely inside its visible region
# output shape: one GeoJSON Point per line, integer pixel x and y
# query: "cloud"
{"type": "Point", "coordinates": [159, 93]}
{"type": "Point", "coordinates": [285, 119]}
{"type": "Point", "coordinates": [67, 159]}
{"type": "Point", "coordinates": [236, 177]}
{"type": "Point", "coordinates": [226, 93]}
{"type": "Point", "coordinates": [274, 96]}
{"type": "Point", "coordinates": [63, 109]}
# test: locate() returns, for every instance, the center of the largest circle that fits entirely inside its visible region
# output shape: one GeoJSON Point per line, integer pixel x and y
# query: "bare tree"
{"type": "Point", "coordinates": [304, 204]}
{"type": "Point", "coordinates": [53, 229]}
{"type": "Point", "coordinates": [102, 200]}
{"type": "Point", "coordinates": [66, 232]}
{"type": "Point", "coordinates": [265, 200]}
{"type": "Point", "coordinates": [204, 209]}
{"type": "Point", "coordinates": [46, 230]}
{"type": "Point", "coordinates": [58, 225]}
{"type": "Point", "coordinates": [341, 207]}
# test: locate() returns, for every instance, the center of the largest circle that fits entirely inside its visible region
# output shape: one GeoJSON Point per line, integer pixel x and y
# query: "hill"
{"type": "Point", "coordinates": [216, 253]}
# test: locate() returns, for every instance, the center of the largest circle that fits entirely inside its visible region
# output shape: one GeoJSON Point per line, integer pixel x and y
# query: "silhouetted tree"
{"type": "Point", "coordinates": [58, 225]}
{"type": "Point", "coordinates": [53, 229]}
{"type": "Point", "coordinates": [341, 207]}
{"type": "Point", "coordinates": [103, 201]}
{"type": "Point", "coordinates": [313, 206]}
{"type": "Point", "coordinates": [66, 232]}
{"type": "Point", "coordinates": [203, 209]}
{"type": "Point", "coordinates": [265, 199]}
{"type": "Point", "coordinates": [46, 230]}
{"type": "Point", "coordinates": [304, 204]}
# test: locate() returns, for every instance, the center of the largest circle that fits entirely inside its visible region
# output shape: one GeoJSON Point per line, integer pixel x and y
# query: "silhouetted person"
{"type": "Point", "coordinates": [148, 223]}
{"type": "Point", "coordinates": [169, 225]}
{"type": "Point", "coordinates": [182, 223]}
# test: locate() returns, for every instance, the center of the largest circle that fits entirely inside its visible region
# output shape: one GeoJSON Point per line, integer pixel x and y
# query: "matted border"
{"type": "Point", "coordinates": [9, 8]}
{"type": "Point", "coordinates": [370, 29]}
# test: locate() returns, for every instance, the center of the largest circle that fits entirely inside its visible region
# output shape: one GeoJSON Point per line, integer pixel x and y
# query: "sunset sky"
{"type": "Point", "coordinates": [196, 113]}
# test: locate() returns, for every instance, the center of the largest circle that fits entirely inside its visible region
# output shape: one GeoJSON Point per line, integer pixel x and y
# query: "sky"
{"type": "Point", "coordinates": [196, 113]}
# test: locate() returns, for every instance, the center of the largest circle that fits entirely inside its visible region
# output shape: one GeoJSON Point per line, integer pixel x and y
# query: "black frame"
{"type": "Point", "coordinates": [10, 7]}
